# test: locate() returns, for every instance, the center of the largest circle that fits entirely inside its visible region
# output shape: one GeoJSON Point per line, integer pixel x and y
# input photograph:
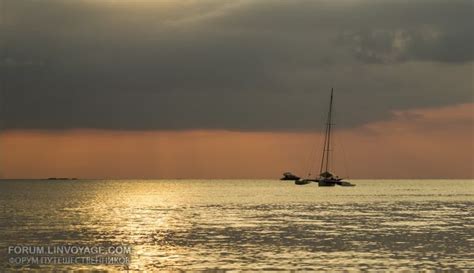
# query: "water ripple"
{"type": "Point", "coordinates": [225, 225]}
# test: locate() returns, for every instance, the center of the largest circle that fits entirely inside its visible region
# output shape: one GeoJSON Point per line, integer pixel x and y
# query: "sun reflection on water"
{"type": "Point", "coordinates": [248, 225]}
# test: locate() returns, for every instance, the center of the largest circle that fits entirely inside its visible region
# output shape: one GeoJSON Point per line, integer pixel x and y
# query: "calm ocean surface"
{"type": "Point", "coordinates": [247, 224]}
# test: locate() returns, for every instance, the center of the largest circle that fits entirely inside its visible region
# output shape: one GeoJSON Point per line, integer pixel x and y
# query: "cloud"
{"type": "Point", "coordinates": [423, 44]}
{"type": "Point", "coordinates": [236, 65]}
{"type": "Point", "coordinates": [421, 143]}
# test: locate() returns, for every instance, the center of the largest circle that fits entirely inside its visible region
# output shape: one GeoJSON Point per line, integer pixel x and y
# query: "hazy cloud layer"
{"type": "Point", "coordinates": [240, 65]}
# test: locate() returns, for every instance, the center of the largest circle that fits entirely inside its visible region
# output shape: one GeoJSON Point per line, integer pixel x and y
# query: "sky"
{"type": "Point", "coordinates": [235, 89]}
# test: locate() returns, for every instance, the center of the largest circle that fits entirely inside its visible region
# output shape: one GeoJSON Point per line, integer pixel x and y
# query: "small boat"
{"type": "Point", "coordinates": [61, 178]}
{"type": "Point", "coordinates": [326, 178]}
{"type": "Point", "coordinates": [290, 176]}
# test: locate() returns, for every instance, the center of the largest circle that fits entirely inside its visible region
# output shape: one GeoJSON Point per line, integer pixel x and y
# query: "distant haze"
{"type": "Point", "coordinates": [251, 72]}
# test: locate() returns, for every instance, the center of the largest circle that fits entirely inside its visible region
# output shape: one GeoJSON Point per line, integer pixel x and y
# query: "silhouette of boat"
{"type": "Point", "coordinates": [326, 178]}
{"type": "Point", "coordinates": [61, 178]}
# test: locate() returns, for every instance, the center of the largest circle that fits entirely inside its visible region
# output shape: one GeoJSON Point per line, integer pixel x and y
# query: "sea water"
{"type": "Point", "coordinates": [245, 224]}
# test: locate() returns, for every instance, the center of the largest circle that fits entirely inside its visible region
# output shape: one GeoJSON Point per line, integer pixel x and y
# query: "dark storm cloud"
{"type": "Point", "coordinates": [242, 65]}
{"type": "Point", "coordinates": [389, 46]}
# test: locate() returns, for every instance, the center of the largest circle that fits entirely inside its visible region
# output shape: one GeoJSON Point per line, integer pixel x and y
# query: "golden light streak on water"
{"type": "Point", "coordinates": [247, 225]}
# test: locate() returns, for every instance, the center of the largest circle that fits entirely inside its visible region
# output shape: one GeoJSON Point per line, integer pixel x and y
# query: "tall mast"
{"type": "Point", "coordinates": [327, 139]}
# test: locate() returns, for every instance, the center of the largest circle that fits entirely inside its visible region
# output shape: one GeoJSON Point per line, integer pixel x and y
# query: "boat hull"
{"type": "Point", "coordinates": [345, 184]}
{"type": "Point", "coordinates": [323, 183]}
{"type": "Point", "coordinates": [334, 182]}
{"type": "Point", "coordinates": [302, 182]}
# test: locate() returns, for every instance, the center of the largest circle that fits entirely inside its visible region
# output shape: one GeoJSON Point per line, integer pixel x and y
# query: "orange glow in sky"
{"type": "Point", "coordinates": [430, 143]}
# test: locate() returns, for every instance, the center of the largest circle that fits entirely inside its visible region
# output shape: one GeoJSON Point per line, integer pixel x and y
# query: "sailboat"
{"type": "Point", "coordinates": [326, 177]}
